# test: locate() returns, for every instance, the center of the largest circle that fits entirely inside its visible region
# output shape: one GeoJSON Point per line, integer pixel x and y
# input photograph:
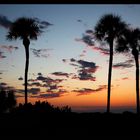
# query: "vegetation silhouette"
{"type": "Point", "coordinates": [40, 107]}
{"type": "Point", "coordinates": [130, 41]}
{"type": "Point", "coordinates": [43, 118]}
{"type": "Point", "coordinates": [25, 29]}
{"type": "Point", "coordinates": [108, 29]}
{"type": "Point", "coordinates": [7, 101]}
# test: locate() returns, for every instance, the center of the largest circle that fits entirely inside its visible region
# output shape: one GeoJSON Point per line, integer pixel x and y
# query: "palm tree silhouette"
{"type": "Point", "coordinates": [108, 29]}
{"type": "Point", "coordinates": [130, 41]}
{"type": "Point", "coordinates": [25, 29]}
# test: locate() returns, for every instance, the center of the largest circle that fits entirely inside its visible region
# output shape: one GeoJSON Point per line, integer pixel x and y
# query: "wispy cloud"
{"type": "Point", "coordinates": [102, 50]}
{"type": "Point", "coordinates": [4, 48]}
{"type": "Point", "coordinates": [41, 52]}
{"type": "Point", "coordinates": [60, 74]}
{"type": "Point", "coordinates": [33, 91]}
{"type": "Point", "coordinates": [125, 64]}
{"type": "Point", "coordinates": [8, 48]}
{"type": "Point", "coordinates": [87, 91]}
{"type": "Point", "coordinates": [50, 95]}
{"type": "Point", "coordinates": [5, 22]}
{"type": "Point", "coordinates": [125, 78]}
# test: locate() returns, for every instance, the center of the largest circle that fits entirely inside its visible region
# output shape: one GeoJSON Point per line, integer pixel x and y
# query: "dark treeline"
{"type": "Point", "coordinates": [43, 118]}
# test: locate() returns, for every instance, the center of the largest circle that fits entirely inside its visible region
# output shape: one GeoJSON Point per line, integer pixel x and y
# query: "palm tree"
{"type": "Point", "coordinates": [108, 29]}
{"type": "Point", "coordinates": [130, 41]}
{"type": "Point", "coordinates": [25, 29]}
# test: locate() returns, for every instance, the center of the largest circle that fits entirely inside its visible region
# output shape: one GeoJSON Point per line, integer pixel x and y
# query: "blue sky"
{"type": "Point", "coordinates": [69, 23]}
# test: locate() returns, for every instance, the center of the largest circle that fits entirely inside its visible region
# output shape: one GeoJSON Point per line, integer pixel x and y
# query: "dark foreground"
{"type": "Point", "coordinates": [69, 125]}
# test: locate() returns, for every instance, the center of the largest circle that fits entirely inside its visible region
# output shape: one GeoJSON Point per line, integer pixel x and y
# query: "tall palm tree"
{"type": "Point", "coordinates": [108, 29]}
{"type": "Point", "coordinates": [130, 41]}
{"type": "Point", "coordinates": [25, 29]}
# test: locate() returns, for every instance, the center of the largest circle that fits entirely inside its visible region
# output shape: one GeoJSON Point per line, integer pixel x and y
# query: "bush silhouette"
{"type": "Point", "coordinates": [41, 107]}
{"type": "Point", "coordinates": [7, 101]}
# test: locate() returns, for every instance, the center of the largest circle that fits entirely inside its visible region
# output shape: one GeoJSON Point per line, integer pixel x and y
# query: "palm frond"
{"type": "Point", "coordinates": [24, 27]}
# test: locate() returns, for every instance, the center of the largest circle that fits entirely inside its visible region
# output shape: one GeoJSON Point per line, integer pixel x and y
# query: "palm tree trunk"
{"type": "Point", "coordinates": [137, 82]}
{"type": "Point", "coordinates": [109, 76]}
{"type": "Point", "coordinates": [26, 43]}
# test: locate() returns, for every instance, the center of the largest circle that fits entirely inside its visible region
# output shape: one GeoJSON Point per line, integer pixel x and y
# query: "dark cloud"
{"type": "Point", "coordinates": [79, 20]}
{"type": "Point", "coordinates": [34, 90]}
{"type": "Point", "coordinates": [49, 80]}
{"type": "Point", "coordinates": [3, 84]}
{"type": "Point", "coordinates": [32, 80]}
{"type": "Point", "coordinates": [5, 22]}
{"type": "Point", "coordinates": [37, 84]}
{"type": "Point", "coordinates": [41, 52]}
{"type": "Point", "coordinates": [60, 74]}
{"type": "Point", "coordinates": [20, 78]}
{"type": "Point", "coordinates": [73, 60]}
{"type": "Point", "coordinates": [83, 64]}
{"type": "Point", "coordinates": [85, 69]}
{"type": "Point", "coordinates": [31, 91]}
{"type": "Point", "coordinates": [86, 76]}
{"type": "Point", "coordinates": [87, 64]}
{"type": "Point", "coordinates": [48, 95]}
{"type": "Point", "coordinates": [40, 74]}
{"type": "Point", "coordinates": [1, 55]}
{"type": "Point", "coordinates": [88, 39]}
{"type": "Point", "coordinates": [89, 32]}
{"type": "Point", "coordinates": [87, 91]}
{"type": "Point", "coordinates": [57, 94]}
{"type": "Point", "coordinates": [125, 64]}
{"type": "Point", "coordinates": [64, 60]}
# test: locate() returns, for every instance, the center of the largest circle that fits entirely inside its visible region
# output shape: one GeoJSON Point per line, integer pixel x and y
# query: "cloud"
{"type": "Point", "coordinates": [102, 50]}
{"type": "Point", "coordinates": [37, 84]}
{"type": "Point", "coordinates": [5, 22]}
{"type": "Point", "coordinates": [20, 78]}
{"type": "Point", "coordinates": [125, 78]}
{"type": "Point", "coordinates": [86, 76]}
{"type": "Point", "coordinates": [8, 48]}
{"type": "Point", "coordinates": [1, 55]}
{"type": "Point", "coordinates": [41, 52]}
{"type": "Point", "coordinates": [60, 74]}
{"type": "Point", "coordinates": [33, 91]}
{"type": "Point", "coordinates": [49, 80]}
{"type": "Point", "coordinates": [89, 66]}
{"type": "Point", "coordinates": [40, 74]}
{"type": "Point", "coordinates": [125, 64]}
{"type": "Point", "coordinates": [3, 84]}
{"type": "Point", "coordinates": [57, 94]}
{"type": "Point", "coordinates": [88, 39]}
{"type": "Point", "coordinates": [85, 69]}
{"type": "Point", "coordinates": [87, 91]}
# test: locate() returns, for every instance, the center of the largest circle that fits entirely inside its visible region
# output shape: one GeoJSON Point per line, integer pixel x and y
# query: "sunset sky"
{"type": "Point", "coordinates": [63, 69]}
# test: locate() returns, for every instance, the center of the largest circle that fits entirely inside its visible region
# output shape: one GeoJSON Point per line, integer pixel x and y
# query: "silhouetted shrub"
{"type": "Point", "coordinates": [7, 101]}
{"type": "Point", "coordinates": [41, 107]}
